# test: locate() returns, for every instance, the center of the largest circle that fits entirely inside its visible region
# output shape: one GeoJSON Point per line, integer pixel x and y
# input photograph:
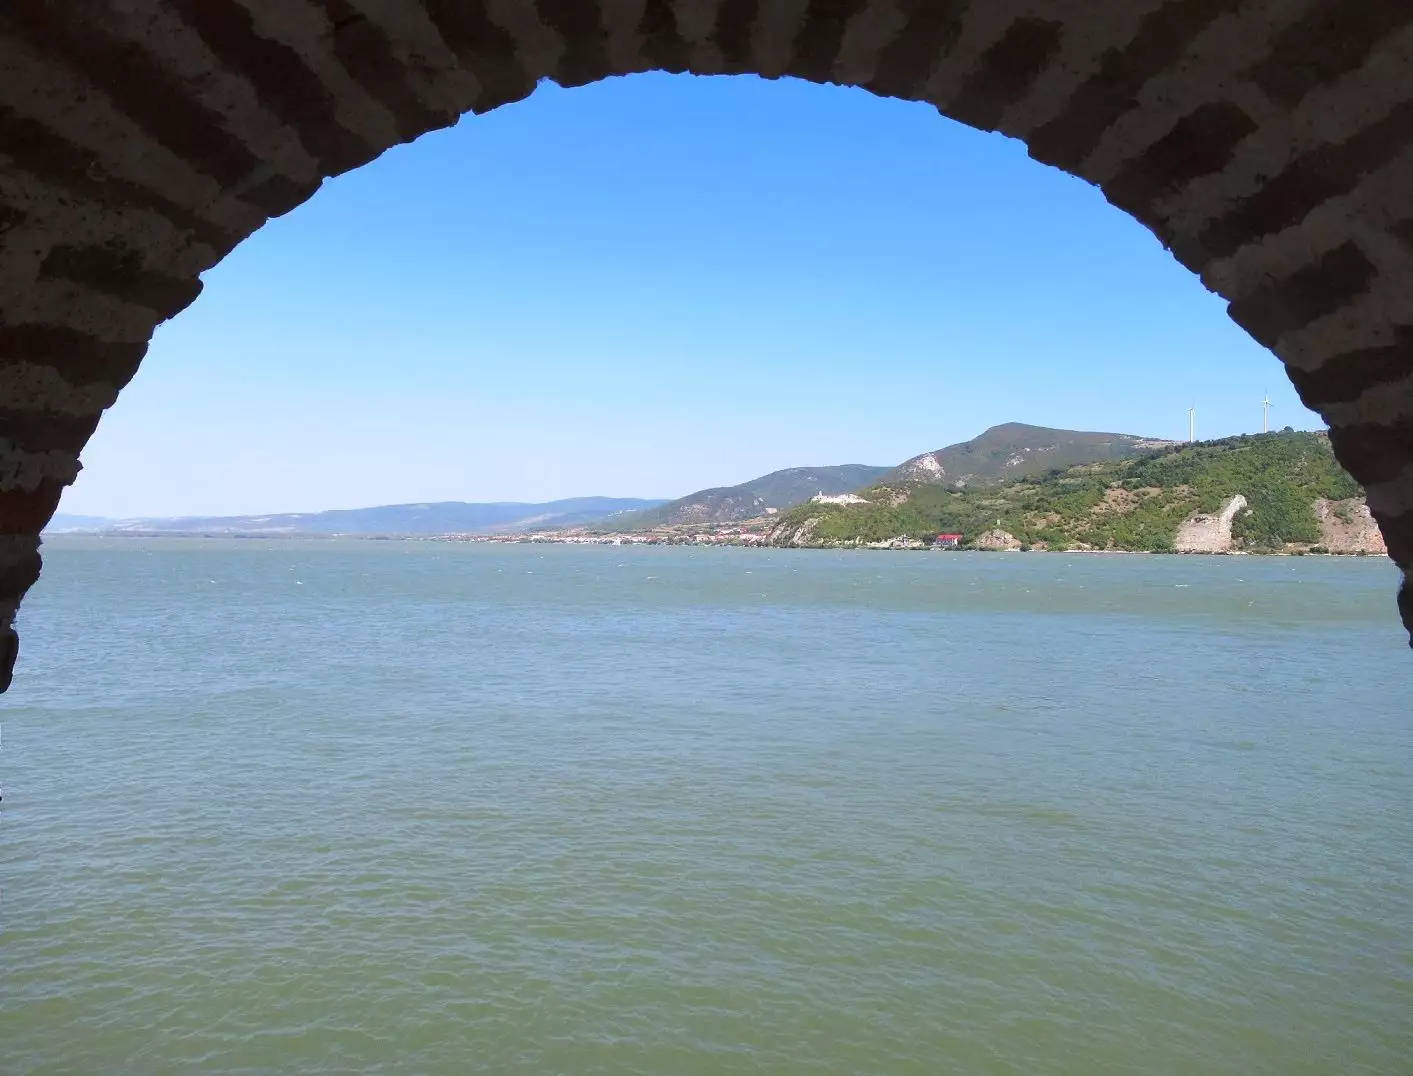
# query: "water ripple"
{"type": "Point", "coordinates": [431, 812]}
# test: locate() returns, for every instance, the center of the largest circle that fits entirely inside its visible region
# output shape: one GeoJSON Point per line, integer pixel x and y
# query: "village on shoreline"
{"type": "Point", "coordinates": [760, 537]}
{"type": "Point", "coordinates": [1012, 488]}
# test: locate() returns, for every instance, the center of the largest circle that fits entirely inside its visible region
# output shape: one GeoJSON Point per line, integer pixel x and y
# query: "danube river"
{"type": "Point", "coordinates": [407, 807]}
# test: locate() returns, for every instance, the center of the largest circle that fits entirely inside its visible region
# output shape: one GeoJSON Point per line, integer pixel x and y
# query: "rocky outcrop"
{"type": "Point", "coordinates": [1209, 534]}
{"type": "Point", "coordinates": [792, 534]}
{"type": "Point", "coordinates": [996, 539]}
{"type": "Point", "coordinates": [924, 468]}
{"type": "Point", "coordinates": [1348, 527]}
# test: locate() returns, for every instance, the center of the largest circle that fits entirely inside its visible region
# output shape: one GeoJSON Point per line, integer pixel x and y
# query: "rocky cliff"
{"type": "Point", "coordinates": [1209, 533]}
{"type": "Point", "coordinates": [1347, 527]}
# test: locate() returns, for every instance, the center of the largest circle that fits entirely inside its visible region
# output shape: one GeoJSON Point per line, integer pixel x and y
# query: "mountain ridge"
{"type": "Point", "coordinates": [769, 493]}
{"type": "Point", "coordinates": [1013, 450]}
{"type": "Point", "coordinates": [1012, 485]}
{"type": "Point", "coordinates": [1270, 492]}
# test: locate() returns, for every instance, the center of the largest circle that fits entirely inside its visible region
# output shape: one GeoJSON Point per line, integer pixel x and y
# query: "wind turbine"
{"type": "Point", "coordinates": [1265, 412]}
{"type": "Point", "coordinates": [1192, 423]}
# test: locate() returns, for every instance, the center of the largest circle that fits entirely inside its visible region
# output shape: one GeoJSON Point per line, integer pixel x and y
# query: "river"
{"type": "Point", "coordinates": [412, 807]}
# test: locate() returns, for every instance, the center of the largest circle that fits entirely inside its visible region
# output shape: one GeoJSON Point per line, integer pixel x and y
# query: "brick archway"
{"type": "Point", "coordinates": [1267, 143]}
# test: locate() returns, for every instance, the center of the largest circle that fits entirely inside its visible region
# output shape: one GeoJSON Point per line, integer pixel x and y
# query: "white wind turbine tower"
{"type": "Point", "coordinates": [1192, 423]}
{"type": "Point", "coordinates": [1265, 412]}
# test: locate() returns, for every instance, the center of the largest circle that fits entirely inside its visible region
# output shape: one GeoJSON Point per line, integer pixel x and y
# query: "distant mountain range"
{"type": "Point", "coordinates": [445, 517]}
{"type": "Point", "coordinates": [1003, 453]}
{"type": "Point", "coordinates": [760, 496]}
{"type": "Point", "coordinates": [1046, 486]}
{"type": "Point", "coordinates": [63, 523]}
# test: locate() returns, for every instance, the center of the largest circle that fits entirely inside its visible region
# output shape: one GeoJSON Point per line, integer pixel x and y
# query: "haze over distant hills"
{"type": "Point", "coordinates": [445, 517]}
{"type": "Point", "coordinates": [778, 490]}
{"type": "Point", "coordinates": [920, 493]}
{"type": "Point", "coordinates": [64, 523]}
{"type": "Point", "coordinates": [1001, 453]}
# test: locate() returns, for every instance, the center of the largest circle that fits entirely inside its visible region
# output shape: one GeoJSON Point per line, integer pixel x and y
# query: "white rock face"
{"type": "Point", "coordinates": [839, 498]}
{"type": "Point", "coordinates": [925, 467]}
{"type": "Point", "coordinates": [1347, 527]}
{"type": "Point", "coordinates": [1209, 534]}
{"type": "Point", "coordinates": [996, 539]}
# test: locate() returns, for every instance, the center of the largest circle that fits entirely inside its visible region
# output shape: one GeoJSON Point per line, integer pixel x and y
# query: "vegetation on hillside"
{"type": "Point", "coordinates": [1132, 504]}
{"type": "Point", "coordinates": [1013, 450]}
{"type": "Point", "coordinates": [779, 489]}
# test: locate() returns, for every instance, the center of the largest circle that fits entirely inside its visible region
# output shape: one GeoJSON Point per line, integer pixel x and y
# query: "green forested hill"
{"type": "Point", "coordinates": [779, 489]}
{"type": "Point", "coordinates": [1133, 504]}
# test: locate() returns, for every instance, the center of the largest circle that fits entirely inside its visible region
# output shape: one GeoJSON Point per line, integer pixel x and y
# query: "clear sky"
{"type": "Point", "coordinates": [661, 283]}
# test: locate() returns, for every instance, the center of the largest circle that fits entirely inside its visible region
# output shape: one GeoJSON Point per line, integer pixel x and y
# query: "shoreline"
{"type": "Point", "coordinates": [621, 541]}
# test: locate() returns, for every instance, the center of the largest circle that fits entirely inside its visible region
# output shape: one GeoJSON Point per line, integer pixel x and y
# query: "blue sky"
{"type": "Point", "coordinates": [655, 284]}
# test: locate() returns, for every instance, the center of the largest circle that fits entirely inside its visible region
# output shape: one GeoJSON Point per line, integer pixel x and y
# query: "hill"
{"type": "Point", "coordinates": [1015, 450]}
{"type": "Point", "coordinates": [1259, 493]}
{"type": "Point", "coordinates": [775, 491]}
{"type": "Point", "coordinates": [446, 517]}
{"type": "Point", "coordinates": [64, 523]}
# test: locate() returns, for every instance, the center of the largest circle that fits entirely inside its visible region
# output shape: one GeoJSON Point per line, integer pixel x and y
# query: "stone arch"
{"type": "Point", "coordinates": [1267, 143]}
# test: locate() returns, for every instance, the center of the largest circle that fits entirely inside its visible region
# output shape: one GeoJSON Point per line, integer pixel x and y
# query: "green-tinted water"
{"type": "Point", "coordinates": [416, 808]}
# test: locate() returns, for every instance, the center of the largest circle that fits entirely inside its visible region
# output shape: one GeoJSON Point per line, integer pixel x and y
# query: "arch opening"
{"type": "Point", "coordinates": [1269, 146]}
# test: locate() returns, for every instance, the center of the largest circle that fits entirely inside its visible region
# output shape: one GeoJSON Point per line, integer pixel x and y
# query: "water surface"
{"type": "Point", "coordinates": [423, 808]}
